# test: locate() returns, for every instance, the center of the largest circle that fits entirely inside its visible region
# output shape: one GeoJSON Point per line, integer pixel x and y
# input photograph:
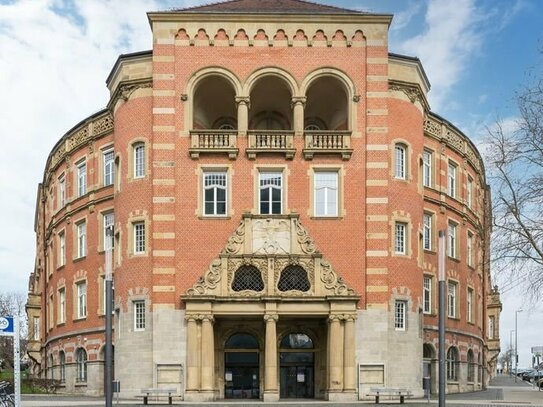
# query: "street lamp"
{"type": "Point", "coordinates": [516, 343]}
{"type": "Point", "coordinates": [510, 364]}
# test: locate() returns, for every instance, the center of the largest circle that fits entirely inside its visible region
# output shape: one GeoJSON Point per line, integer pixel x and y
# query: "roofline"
{"type": "Point", "coordinates": [125, 57]}
{"type": "Point", "coordinates": [220, 2]}
{"type": "Point", "coordinates": [413, 59]}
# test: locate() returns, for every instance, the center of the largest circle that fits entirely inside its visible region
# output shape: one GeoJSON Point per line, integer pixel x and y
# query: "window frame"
{"type": "Point", "coordinates": [81, 299]}
{"type": "Point", "coordinates": [427, 165]}
{"type": "Point", "coordinates": [400, 168]}
{"type": "Point", "coordinates": [61, 248]}
{"type": "Point", "coordinates": [215, 187]}
{"type": "Point", "coordinates": [452, 364]}
{"type": "Point", "coordinates": [427, 231]}
{"type": "Point", "coordinates": [61, 190]}
{"type": "Point", "coordinates": [469, 192]}
{"type": "Point", "coordinates": [62, 366]}
{"type": "Point", "coordinates": [81, 236]}
{"type": "Point", "coordinates": [139, 171]}
{"type": "Point", "coordinates": [105, 224]}
{"type": "Point", "coordinates": [400, 315]}
{"type": "Point", "coordinates": [139, 242]}
{"type": "Point", "coordinates": [81, 174]}
{"type": "Point", "coordinates": [452, 175]}
{"type": "Point", "coordinates": [469, 305]}
{"type": "Point", "coordinates": [271, 187]}
{"type": "Point", "coordinates": [328, 191]}
{"type": "Point", "coordinates": [427, 294]}
{"type": "Point", "coordinates": [491, 326]}
{"type": "Point", "coordinates": [81, 366]}
{"type": "Point", "coordinates": [108, 177]}
{"type": "Point", "coordinates": [401, 238]}
{"type": "Point", "coordinates": [452, 240]}
{"type": "Point", "coordinates": [469, 249]}
{"type": "Point", "coordinates": [452, 299]}
{"type": "Point", "coordinates": [36, 327]}
{"type": "Point", "coordinates": [61, 306]}
{"type": "Point", "coordinates": [139, 315]}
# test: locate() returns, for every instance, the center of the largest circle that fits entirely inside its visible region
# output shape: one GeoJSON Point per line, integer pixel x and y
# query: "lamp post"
{"type": "Point", "coordinates": [109, 302]}
{"type": "Point", "coordinates": [516, 343]}
{"type": "Point", "coordinates": [441, 317]}
{"type": "Point", "coordinates": [510, 367]}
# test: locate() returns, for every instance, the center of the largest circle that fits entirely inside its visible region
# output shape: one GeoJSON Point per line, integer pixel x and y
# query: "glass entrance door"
{"type": "Point", "coordinates": [297, 382]}
{"type": "Point", "coordinates": [241, 367]}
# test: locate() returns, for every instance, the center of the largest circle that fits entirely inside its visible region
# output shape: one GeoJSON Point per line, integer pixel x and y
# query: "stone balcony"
{"type": "Point", "coordinates": [327, 142]}
{"type": "Point", "coordinates": [270, 141]}
{"type": "Point", "coordinates": [213, 141]}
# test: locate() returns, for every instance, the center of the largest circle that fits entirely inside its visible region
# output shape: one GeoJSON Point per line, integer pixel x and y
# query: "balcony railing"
{"type": "Point", "coordinates": [327, 142]}
{"type": "Point", "coordinates": [271, 141]}
{"type": "Point", "coordinates": [213, 141]}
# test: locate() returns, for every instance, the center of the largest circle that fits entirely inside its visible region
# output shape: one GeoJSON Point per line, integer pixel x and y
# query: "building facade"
{"type": "Point", "coordinates": [276, 182]}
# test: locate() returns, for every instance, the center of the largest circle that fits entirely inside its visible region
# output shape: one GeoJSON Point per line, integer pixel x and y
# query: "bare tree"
{"type": "Point", "coordinates": [12, 304]}
{"type": "Point", "coordinates": [514, 156]}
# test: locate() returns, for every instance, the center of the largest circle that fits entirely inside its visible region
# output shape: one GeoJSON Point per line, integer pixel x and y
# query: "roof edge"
{"type": "Point", "coordinates": [125, 57]}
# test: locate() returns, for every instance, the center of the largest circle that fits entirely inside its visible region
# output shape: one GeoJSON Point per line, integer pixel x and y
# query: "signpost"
{"type": "Point", "coordinates": [9, 326]}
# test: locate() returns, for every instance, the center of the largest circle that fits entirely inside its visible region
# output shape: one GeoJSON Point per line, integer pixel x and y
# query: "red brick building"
{"type": "Point", "coordinates": [276, 182]}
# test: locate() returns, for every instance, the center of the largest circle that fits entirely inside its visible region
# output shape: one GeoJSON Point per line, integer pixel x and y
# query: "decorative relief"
{"type": "Point", "coordinates": [82, 136]}
{"type": "Point", "coordinates": [235, 263]}
{"type": "Point", "coordinates": [413, 93]}
{"type": "Point", "coordinates": [306, 242]}
{"type": "Point", "coordinates": [306, 264]}
{"type": "Point", "coordinates": [271, 236]}
{"type": "Point", "coordinates": [102, 125]}
{"type": "Point", "coordinates": [454, 140]}
{"type": "Point", "coordinates": [432, 127]}
{"type": "Point", "coordinates": [332, 281]}
{"type": "Point", "coordinates": [472, 158]}
{"type": "Point", "coordinates": [235, 242]}
{"type": "Point", "coordinates": [57, 156]}
{"type": "Point", "coordinates": [125, 91]}
{"type": "Point", "coordinates": [209, 281]}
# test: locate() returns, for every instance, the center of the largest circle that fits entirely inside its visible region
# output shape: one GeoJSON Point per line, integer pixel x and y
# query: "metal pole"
{"type": "Point", "coordinates": [16, 361]}
{"type": "Point", "coordinates": [442, 304]}
{"type": "Point", "coordinates": [516, 343]}
{"type": "Point", "coordinates": [510, 364]}
{"type": "Point", "coordinates": [109, 302]}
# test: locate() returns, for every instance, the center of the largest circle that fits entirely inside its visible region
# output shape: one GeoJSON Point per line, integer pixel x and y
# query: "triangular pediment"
{"type": "Point", "coordinates": [270, 257]}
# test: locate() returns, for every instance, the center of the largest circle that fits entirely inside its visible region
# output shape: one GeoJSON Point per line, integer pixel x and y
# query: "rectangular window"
{"type": "Point", "coordinates": [108, 167]}
{"type": "Point", "coordinates": [81, 178]}
{"type": "Point", "coordinates": [62, 306]}
{"type": "Point", "coordinates": [451, 300]}
{"type": "Point", "coordinates": [81, 300]}
{"type": "Point", "coordinates": [427, 168]}
{"type": "Point", "coordinates": [451, 184]}
{"type": "Point", "coordinates": [271, 193]}
{"type": "Point", "coordinates": [36, 328]}
{"type": "Point", "coordinates": [215, 193]}
{"type": "Point", "coordinates": [326, 193]}
{"type": "Point", "coordinates": [50, 313]}
{"type": "Point", "coordinates": [400, 238]}
{"type": "Point", "coordinates": [427, 231]}
{"type": "Point", "coordinates": [470, 305]}
{"type": "Point", "coordinates": [427, 295]}
{"type": "Point", "coordinates": [469, 250]}
{"type": "Point", "coordinates": [61, 191]}
{"type": "Point", "coordinates": [108, 222]}
{"type": "Point", "coordinates": [451, 234]}
{"type": "Point", "coordinates": [81, 239]}
{"type": "Point", "coordinates": [139, 160]}
{"type": "Point", "coordinates": [61, 249]}
{"type": "Point", "coordinates": [400, 162]}
{"type": "Point", "coordinates": [469, 193]}
{"type": "Point", "coordinates": [490, 327]}
{"type": "Point", "coordinates": [139, 315]}
{"type": "Point", "coordinates": [139, 237]}
{"type": "Point", "coordinates": [400, 309]}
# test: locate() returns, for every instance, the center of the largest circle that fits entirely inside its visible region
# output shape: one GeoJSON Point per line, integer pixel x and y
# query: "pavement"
{"type": "Point", "coordinates": [503, 391]}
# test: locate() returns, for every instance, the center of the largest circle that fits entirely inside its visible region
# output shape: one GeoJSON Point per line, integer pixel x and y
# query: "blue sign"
{"type": "Point", "coordinates": [6, 326]}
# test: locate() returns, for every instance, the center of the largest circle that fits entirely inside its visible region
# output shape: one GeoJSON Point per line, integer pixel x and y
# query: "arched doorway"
{"type": "Point", "coordinates": [297, 366]}
{"type": "Point", "coordinates": [241, 367]}
{"type": "Point", "coordinates": [429, 357]}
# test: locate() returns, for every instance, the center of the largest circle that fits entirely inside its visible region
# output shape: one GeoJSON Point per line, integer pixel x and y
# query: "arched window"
{"type": "Point", "coordinates": [428, 351]}
{"type": "Point", "coordinates": [62, 366]}
{"type": "Point", "coordinates": [139, 160]}
{"type": "Point", "coordinates": [247, 278]}
{"type": "Point", "coordinates": [452, 364]}
{"type": "Point", "coordinates": [241, 341]}
{"type": "Point", "coordinates": [51, 368]}
{"type": "Point", "coordinates": [296, 341]}
{"type": "Point", "coordinates": [293, 278]}
{"type": "Point", "coordinates": [471, 366]}
{"type": "Point", "coordinates": [81, 361]}
{"type": "Point", "coordinates": [400, 161]}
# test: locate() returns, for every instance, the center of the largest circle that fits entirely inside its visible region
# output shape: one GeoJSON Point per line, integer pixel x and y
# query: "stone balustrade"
{"type": "Point", "coordinates": [271, 141]}
{"type": "Point", "coordinates": [327, 142]}
{"type": "Point", "coordinates": [213, 141]}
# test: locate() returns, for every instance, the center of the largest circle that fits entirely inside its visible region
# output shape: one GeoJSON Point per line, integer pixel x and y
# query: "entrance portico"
{"type": "Point", "coordinates": [272, 285]}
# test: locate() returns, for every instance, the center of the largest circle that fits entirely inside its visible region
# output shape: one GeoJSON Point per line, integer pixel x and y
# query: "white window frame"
{"type": "Point", "coordinates": [469, 300]}
{"type": "Point", "coordinates": [427, 295]}
{"type": "Point", "coordinates": [266, 177]}
{"type": "Point", "coordinates": [62, 305]}
{"type": "Point", "coordinates": [139, 237]}
{"type": "Point", "coordinates": [139, 159]}
{"type": "Point", "coordinates": [452, 364]}
{"type": "Point", "coordinates": [215, 186]}
{"type": "Point", "coordinates": [452, 170]}
{"type": "Point", "coordinates": [427, 234]}
{"type": "Point", "coordinates": [108, 157]}
{"type": "Point", "coordinates": [36, 328]}
{"type": "Point", "coordinates": [491, 328]}
{"type": "Point", "coordinates": [81, 239]}
{"type": "Point", "coordinates": [61, 249]}
{"type": "Point", "coordinates": [469, 192]}
{"type": "Point", "coordinates": [427, 159]}
{"type": "Point", "coordinates": [452, 240]}
{"type": "Point", "coordinates": [61, 191]}
{"type": "Point", "coordinates": [400, 315]}
{"type": "Point", "coordinates": [108, 219]}
{"type": "Point", "coordinates": [400, 238]}
{"type": "Point", "coordinates": [139, 315]}
{"type": "Point", "coordinates": [330, 192]}
{"type": "Point", "coordinates": [452, 299]}
{"type": "Point", "coordinates": [82, 366]}
{"type": "Point", "coordinates": [81, 178]}
{"type": "Point", "coordinates": [400, 161]}
{"type": "Point", "coordinates": [81, 288]}
{"type": "Point", "coordinates": [62, 366]}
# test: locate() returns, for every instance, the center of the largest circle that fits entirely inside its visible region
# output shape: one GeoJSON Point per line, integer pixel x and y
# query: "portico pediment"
{"type": "Point", "coordinates": [270, 257]}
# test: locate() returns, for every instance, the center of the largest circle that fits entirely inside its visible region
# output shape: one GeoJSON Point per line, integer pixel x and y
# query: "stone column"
{"type": "Point", "coordinates": [208, 358]}
{"type": "Point", "coordinates": [335, 352]}
{"type": "Point", "coordinates": [349, 356]}
{"type": "Point", "coordinates": [243, 114]}
{"type": "Point", "coordinates": [270, 371]}
{"type": "Point", "coordinates": [298, 104]}
{"type": "Point", "coordinates": [193, 355]}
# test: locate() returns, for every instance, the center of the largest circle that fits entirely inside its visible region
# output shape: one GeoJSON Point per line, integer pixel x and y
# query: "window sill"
{"type": "Point", "coordinates": [61, 324]}
{"type": "Point", "coordinates": [59, 268]}
{"type": "Point", "coordinates": [430, 251]}
{"type": "Point", "coordinates": [81, 384]}
{"type": "Point", "coordinates": [80, 319]}
{"type": "Point", "coordinates": [471, 268]}
{"type": "Point", "coordinates": [453, 318]}
{"type": "Point", "coordinates": [78, 259]}
{"type": "Point", "coordinates": [326, 217]}
{"type": "Point", "coordinates": [214, 217]}
{"type": "Point", "coordinates": [453, 259]}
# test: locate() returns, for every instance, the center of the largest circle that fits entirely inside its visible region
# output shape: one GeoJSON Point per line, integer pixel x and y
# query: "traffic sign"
{"type": "Point", "coordinates": [7, 327]}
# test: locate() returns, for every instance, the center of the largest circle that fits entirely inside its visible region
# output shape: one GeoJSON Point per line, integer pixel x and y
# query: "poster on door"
{"type": "Point", "coordinates": [300, 377]}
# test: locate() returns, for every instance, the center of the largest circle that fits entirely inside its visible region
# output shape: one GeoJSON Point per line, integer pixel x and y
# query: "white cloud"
{"type": "Point", "coordinates": [404, 17]}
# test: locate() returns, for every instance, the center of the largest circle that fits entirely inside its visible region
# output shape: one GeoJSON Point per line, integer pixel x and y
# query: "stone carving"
{"type": "Point", "coordinates": [82, 136]}
{"type": "Point", "coordinates": [332, 281]}
{"type": "Point", "coordinates": [413, 93]}
{"type": "Point", "coordinates": [235, 263]}
{"type": "Point", "coordinates": [306, 264]}
{"type": "Point", "coordinates": [271, 236]}
{"type": "Point", "coordinates": [271, 317]}
{"type": "Point", "coordinates": [102, 125]}
{"type": "Point", "coordinates": [432, 127]}
{"type": "Point", "coordinates": [235, 242]}
{"type": "Point", "coordinates": [209, 281]}
{"type": "Point", "coordinates": [126, 90]}
{"type": "Point", "coordinates": [454, 140]}
{"type": "Point", "coordinates": [306, 242]}
{"type": "Point", "coordinates": [57, 156]}
{"type": "Point", "coordinates": [472, 158]}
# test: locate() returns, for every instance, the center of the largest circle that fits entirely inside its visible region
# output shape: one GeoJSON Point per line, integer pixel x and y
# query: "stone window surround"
{"type": "Point", "coordinates": [457, 174]}
{"type": "Point", "coordinates": [340, 169]}
{"type": "Point", "coordinates": [62, 178]}
{"type": "Point", "coordinates": [434, 235]}
{"type": "Point", "coordinates": [61, 319]}
{"type": "Point", "coordinates": [131, 310]}
{"type": "Point", "coordinates": [398, 217]}
{"type": "Point", "coordinates": [106, 148]}
{"type": "Point", "coordinates": [101, 233]}
{"type": "Point", "coordinates": [456, 300]}
{"type": "Point", "coordinates": [130, 174]}
{"type": "Point", "coordinates": [433, 292]}
{"type": "Point", "coordinates": [470, 257]}
{"type": "Point", "coordinates": [77, 163]}
{"type": "Point", "coordinates": [75, 245]}
{"type": "Point", "coordinates": [61, 262]}
{"type": "Point", "coordinates": [470, 317]}
{"type": "Point", "coordinates": [262, 168]}
{"type": "Point", "coordinates": [433, 167]}
{"type": "Point", "coordinates": [394, 297]}
{"type": "Point", "coordinates": [132, 220]}
{"type": "Point", "coordinates": [408, 156]}
{"type": "Point", "coordinates": [456, 223]}
{"type": "Point", "coordinates": [230, 172]}
{"type": "Point", "coordinates": [134, 314]}
{"type": "Point", "coordinates": [76, 283]}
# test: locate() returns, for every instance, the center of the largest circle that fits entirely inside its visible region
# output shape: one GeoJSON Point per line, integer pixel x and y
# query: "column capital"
{"type": "Point", "coordinates": [245, 100]}
{"type": "Point", "coordinates": [206, 317]}
{"type": "Point", "coordinates": [271, 317]}
{"type": "Point", "coordinates": [191, 318]}
{"type": "Point", "coordinates": [349, 317]}
{"type": "Point", "coordinates": [298, 100]}
{"type": "Point", "coordinates": [334, 317]}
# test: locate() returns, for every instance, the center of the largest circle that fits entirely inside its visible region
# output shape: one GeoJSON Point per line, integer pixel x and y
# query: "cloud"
{"type": "Point", "coordinates": [404, 17]}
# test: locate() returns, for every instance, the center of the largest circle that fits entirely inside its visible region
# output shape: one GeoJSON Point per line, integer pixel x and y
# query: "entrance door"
{"type": "Point", "coordinates": [297, 367]}
{"type": "Point", "coordinates": [297, 382]}
{"type": "Point", "coordinates": [241, 367]}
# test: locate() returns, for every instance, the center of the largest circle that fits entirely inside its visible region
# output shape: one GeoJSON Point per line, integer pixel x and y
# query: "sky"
{"type": "Point", "coordinates": [56, 54]}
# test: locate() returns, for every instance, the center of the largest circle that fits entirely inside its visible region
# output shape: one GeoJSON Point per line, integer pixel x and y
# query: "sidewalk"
{"type": "Point", "coordinates": [502, 392]}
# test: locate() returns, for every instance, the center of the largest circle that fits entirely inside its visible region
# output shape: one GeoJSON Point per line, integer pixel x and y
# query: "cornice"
{"type": "Point", "coordinates": [125, 89]}
{"type": "Point", "coordinates": [412, 90]}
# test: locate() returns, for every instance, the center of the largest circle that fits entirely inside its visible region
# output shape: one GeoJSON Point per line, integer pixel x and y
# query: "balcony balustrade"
{"type": "Point", "coordinates": [213, 141]}
{"type": "Point", "coordinates": [327, 142]}
{"type": "Point", "coordinates": [271, 141]}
